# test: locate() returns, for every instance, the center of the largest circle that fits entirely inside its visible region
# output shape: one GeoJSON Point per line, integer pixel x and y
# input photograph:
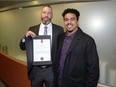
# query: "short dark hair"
{"type": "Point", "coordinates": [71, 10]}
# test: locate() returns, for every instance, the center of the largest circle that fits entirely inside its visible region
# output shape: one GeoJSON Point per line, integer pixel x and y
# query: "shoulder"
{"type": "Point", "coordinates": [89, 39]}
{"type": "Point", "coordinates": [58, 26]}
{"type": "Point", "coordinates": [84, 36]}
{"type": "Point", "coordinates": [62, 35]}
{"type": "Point", "coordinates": [34, 27]}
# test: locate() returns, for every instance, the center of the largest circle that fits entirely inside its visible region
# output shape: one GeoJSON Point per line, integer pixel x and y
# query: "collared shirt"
{"type": "Point", "coordinates": [49, 29]}
{"type": "Point", "coordinates": [41, 30]}
{"type": "Point", "coordinates": [65, 47]}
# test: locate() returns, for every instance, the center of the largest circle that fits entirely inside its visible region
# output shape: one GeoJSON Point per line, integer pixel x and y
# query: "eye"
{"type": "Point", "coordinates": [44, 12]}
{"type": "Point", "coordinates": [66, 19]}
{"type": "Point", "coordinates": [73, 19]}
{"type": "Point", "coordinates": [49, 13]}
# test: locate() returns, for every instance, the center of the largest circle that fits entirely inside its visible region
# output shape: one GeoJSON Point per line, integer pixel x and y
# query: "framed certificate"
{"type": "Point", "coordinates": [38, 49]}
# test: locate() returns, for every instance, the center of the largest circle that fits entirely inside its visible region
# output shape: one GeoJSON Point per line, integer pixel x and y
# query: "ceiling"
{"type": "Point", "coordinates": [9, 3]}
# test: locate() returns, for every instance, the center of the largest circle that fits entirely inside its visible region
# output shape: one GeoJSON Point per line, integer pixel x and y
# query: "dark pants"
{"type": "Point", "coordinates": [43, 76]}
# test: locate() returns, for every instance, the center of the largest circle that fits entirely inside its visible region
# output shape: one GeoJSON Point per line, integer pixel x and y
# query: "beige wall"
{"type": "Point", "coordinates": [98, 19]}
{"type": "Point", "coordinates": [15, 23]}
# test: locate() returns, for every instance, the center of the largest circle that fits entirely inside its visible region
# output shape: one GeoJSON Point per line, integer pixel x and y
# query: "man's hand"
{"type": "Point", "coordinates": [30, 33]}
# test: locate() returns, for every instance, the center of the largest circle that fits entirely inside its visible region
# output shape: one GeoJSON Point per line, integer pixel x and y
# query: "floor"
{"type": "Point", "coordinates": [2, 84]}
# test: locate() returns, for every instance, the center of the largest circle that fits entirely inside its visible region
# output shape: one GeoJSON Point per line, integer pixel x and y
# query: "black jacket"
{"type": "Point", "coordinates": [56, 30]}
{"type": "Point", "coordinates": [81, 67]}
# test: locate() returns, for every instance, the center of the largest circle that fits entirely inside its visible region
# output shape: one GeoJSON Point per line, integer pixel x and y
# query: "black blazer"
{"type": "Point", "coordinates": [81, 67]}
{"type": "Point", "coordinates": [56, 30]}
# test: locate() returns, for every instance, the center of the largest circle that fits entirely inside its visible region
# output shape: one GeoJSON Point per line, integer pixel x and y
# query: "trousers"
{"type": "Point", "coordinates": [43, 76]}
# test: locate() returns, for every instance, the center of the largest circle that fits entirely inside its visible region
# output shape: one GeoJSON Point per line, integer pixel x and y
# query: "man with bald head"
{"type": "Point", "coordinates": [38, 74]}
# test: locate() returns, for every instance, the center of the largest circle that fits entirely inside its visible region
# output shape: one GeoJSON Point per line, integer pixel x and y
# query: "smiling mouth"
{"type": "Point", "coordinates": [69, 26]}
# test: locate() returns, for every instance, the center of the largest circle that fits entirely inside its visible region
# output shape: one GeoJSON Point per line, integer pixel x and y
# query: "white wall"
{"type": "Point", "coordinates": [98, 19]}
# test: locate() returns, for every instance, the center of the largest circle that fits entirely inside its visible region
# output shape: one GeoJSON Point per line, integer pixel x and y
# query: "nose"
{"type": "Point", "coordinates": [69, 21]}
{"type": "Point", "coordinates": [46, 14]}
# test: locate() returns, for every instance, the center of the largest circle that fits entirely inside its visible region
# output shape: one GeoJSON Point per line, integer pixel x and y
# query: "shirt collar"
{"type": "Point", "coordinates": [71, 36]}
{"type": "Point", "coordinates": [50, 24]}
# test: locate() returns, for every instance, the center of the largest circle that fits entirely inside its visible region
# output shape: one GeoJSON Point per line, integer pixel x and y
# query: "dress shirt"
{"type": "Point", "coordinates": [41, 30]}
{"type": "Point", "coordinates": [49, 29]}
{"type": "Point", "coordinates": [65, 47]}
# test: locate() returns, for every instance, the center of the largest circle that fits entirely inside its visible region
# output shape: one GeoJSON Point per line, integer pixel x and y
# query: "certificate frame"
{"type": "Point", "coordinates": [36, 54]}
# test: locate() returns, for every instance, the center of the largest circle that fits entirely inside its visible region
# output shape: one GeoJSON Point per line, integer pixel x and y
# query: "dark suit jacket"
{"type": "Point", "coordinates": [56, 31]}
{"type": "Point", "coordinates": [81, 67]}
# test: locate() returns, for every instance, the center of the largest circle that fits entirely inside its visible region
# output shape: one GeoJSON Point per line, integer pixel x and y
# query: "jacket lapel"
{"type": "Point", "coordinates": [38, 27]}
{"type": "Point", "coordinates": [75, 41]}
{"type": "Point", "coordinates": [53, 33]}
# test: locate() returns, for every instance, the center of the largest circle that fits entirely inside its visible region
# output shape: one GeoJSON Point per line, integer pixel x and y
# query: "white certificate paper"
{"type": "Point", "coordinates": [41, 50]}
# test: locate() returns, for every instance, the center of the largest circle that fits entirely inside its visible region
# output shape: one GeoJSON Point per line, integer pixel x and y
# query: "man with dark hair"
{"type": "Point", "coordinates": [77, 62]}
{"type": "Point", "coordinates": [38, 74]}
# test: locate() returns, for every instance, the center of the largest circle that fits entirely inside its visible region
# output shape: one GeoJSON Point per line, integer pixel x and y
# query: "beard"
{"type": "Point", "coordinates": [70, 31]}
{"type": "Point", "coordinates": [46, 20]}
{"type": "Point", "coordinates": [69, 27]}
